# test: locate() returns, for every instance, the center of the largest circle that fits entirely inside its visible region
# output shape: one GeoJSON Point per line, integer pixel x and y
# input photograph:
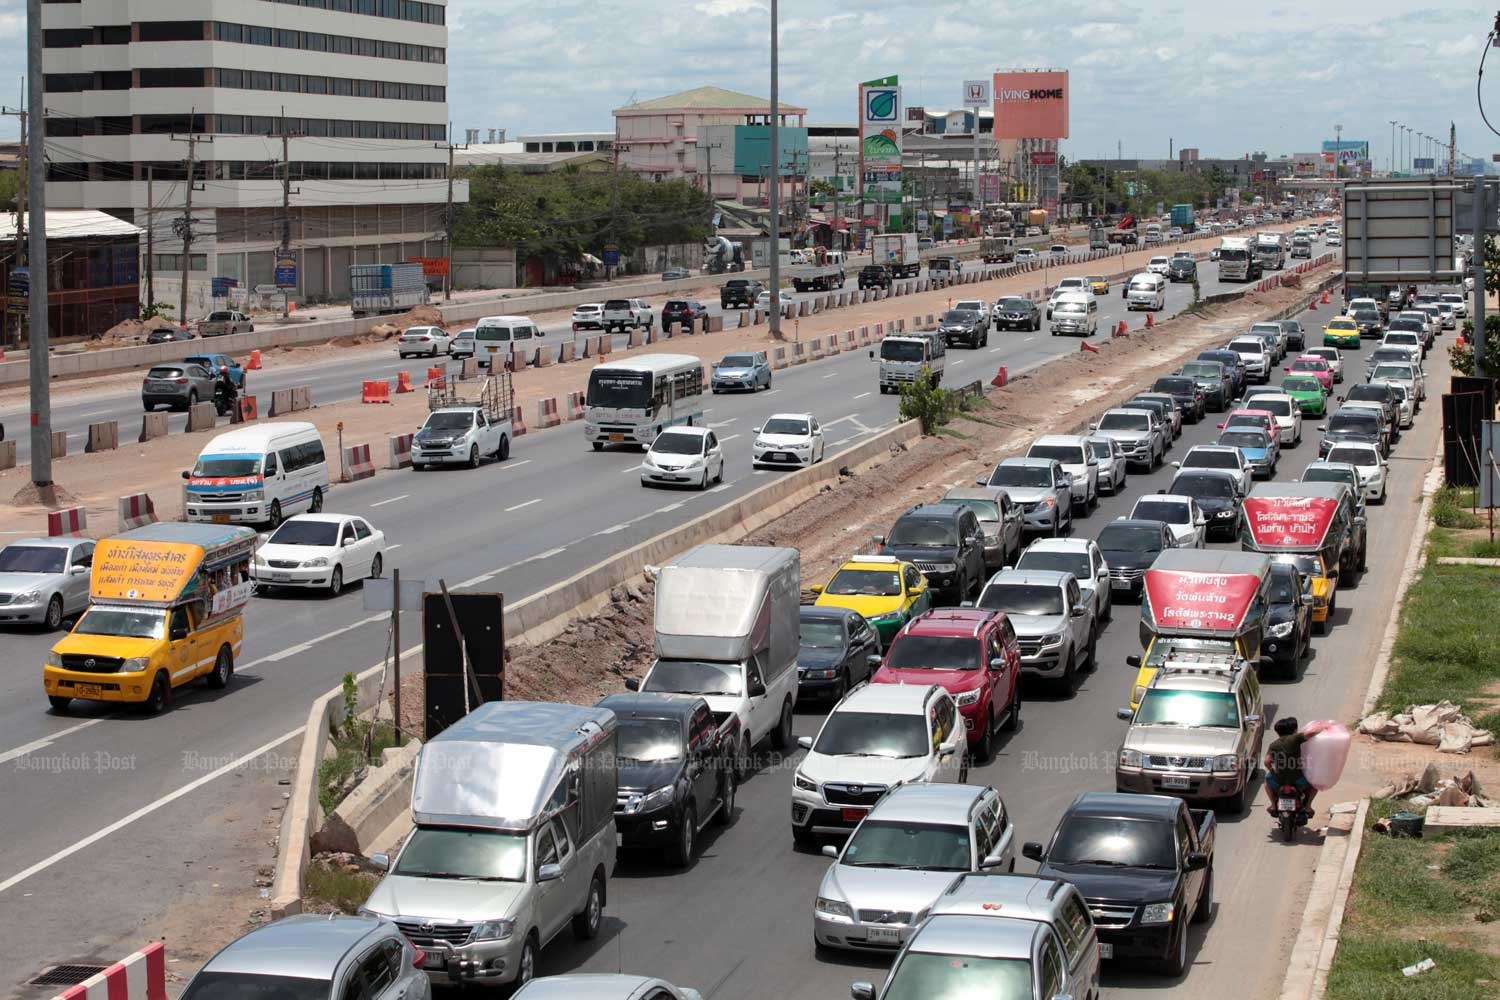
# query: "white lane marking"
{"type": "Point", "coordinates": [516, 465]}
{"type": "Point", "coordinates": [633, 468]}
{"type": "Point", "coordinates": [729, 438]}
{"type": "Point", "coordinates": [831, 375]}
{"type": "Point", "coordinates": [382, 503]}
{"type": "Point", "coordinates": [958, 361]}
{"type": "Point", "coordinates": [771, 392]}
{"type": "Point", "coordinates": [93, 413]}
{"type": "Point", "coordinates": [722, 423]}
{"type": "Point", "coordinates": [393, 548]}
{"type": "Point", "coordinates": [518, 506]}
{"type": "Point", "coordinates": [1028, 340]}
{"type": "Point", "coordinates": [612, 529]}
{"type": "Point", "coordinates": [863, 395]}
{"type": "Point", "coordinates": [303, 647]}
{"type": "Point", "coordinates": [721, 488]}
{"type": "Point", "coordinates": [47, 740]}
{"type": "Point", "coordinates": [146, 810]}
{"type": "Point", "coordinates": [996, 350]}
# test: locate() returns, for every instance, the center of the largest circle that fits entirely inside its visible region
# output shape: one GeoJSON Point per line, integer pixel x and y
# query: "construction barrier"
{"type": "Point", "coordinates": [544, 356]}
{"type": "Point", "coordinates": [154, 425]}
{"type": "Point", "coordinates": [606, 346]}
{"type": "Point", "coordinates": [1150, 320]}
{"type": "Point", "coordinates": [68, 521]}
{"type": "Point", "coordinates": [546, 413]}
{"type": "Point", "coordinates": [714, 324]}
{"type": "Point", "coordinates": [1086, 347]}
{"type": "Point", "coordinates": [253, 365]}
{"type": "Point", "coordinates": [8, 454]}
{"type": "Point", "coordinates": [60, 443]}
{"type": "Point", "coordinates": [517, 422]}
{"type": "Point", "coordinates": [301, 397]}
{"type": "Point", "coordinates": [136, 511]}
{"type": "Point", "coordinates": [567, 352]}
{"type": "Point", "coordinates": [799, 353]}
{"type": "Point", "coordinates": [864, 336]}
{"type": "Point", "coordinates": [357, 464]}
{"type": "Point", "coordinates": [879, 332]}
{"type": "Point", "coordinates": [375, 392]}
{"type": "Point", "coordinates": [637, 339]}
{"type": "Point", "coordinates": [1001, 379]}
{"type": "Point", "coordinates": [403, 382]}
{"type": "Point", "coordinates": [435, 376]}
{"type": "Point", "coordinates": [202, 417]}
{"type": "Point", "coordinates": [400, 446]}
{"type": "Point", "coordinates": [245, 409]}
{"type": "Point", "coordinates": [103, 436]}
{"type": "Point", "coordinates": [778, 358]}
{"type": "Point", "coordinates": [517, 361]}
{"type": "Point", "coordinates": [1120, 330]}
{"type": "Point", "coordinates": [575, 405]}
{"type": "Point", "coordinates": [815, 348]}
{"type": "Point", "coordinates": [140, 976]}
{"type": "Point", "coordinates": [468, 368]}
{"type": "Point", "coordinates": [848, 344]}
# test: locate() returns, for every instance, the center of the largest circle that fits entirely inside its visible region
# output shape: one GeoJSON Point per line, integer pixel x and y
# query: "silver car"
{"type": "Point", "coordinates": [603, 986]}
{"type": "Point", "coordinates": [44, 580]}
{"type": "Point", "coordinates": [1082, 558]}
{"type": "Point", "coordinates": [902, 856]}
{"type": "Point", "coordinates": [312, 955]}
{"type": "Point", "coordinates": [462, 344]}
{"type": "Point", "coordinates": [176, 385]}
{"type": "Point", "coordinates": [1114, 468]}
{"type": "Point", "coordinates": [1053, 622]}
{"type": "Point", "coordinates": [1000, 519]}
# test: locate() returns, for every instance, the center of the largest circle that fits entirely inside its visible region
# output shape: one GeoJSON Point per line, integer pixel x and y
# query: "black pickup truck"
{"type": "Point", "coordinates": [675, 770]}
{"type": "Point", "coordinates": [740, 293]}
{"type": "Point", "coordinates": [875, 276]}
{"type": "Point", "coordinates": [1145, 866]}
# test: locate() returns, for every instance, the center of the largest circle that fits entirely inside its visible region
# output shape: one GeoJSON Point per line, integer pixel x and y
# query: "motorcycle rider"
{"type": "Point", "coordinates": [1284, 761]}
{"type": "Point", "coordinates": [224, 388]}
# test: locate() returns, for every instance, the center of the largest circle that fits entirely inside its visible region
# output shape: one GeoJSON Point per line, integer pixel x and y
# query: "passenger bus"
{"type": "Point", "coordinates": [632, 400]}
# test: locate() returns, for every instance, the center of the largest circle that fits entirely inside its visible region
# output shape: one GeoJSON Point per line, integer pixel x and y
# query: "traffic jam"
{"type": "Point", "coordinates": [913, 663]}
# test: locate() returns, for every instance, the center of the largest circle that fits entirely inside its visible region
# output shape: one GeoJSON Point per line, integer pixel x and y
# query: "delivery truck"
{"type": "Point", "coordinates": [1307, 524]}
{"type": "Point", "coordinates": [1182, 217]}
{"type": "Point", "coordinates": [386, 288]}
{"type": "Point", "coordinates": [897, 251]}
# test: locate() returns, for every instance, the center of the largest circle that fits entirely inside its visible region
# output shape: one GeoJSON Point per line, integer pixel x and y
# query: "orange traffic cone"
{"type": "Point", "coordinates": [253, 364]}
{"type": "Point", "coordinates": [1325, 297]}
{"type": "Point", "coordinates": [1085, 346]}
{"type": "Point", "coordinates": [1150, 321]}
{"type": "Point", "coordinates": [1122, 329]}
{"type": "Point", "coordinates": [1002, 377]}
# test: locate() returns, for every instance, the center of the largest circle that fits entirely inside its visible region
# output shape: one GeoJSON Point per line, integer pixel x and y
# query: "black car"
{"type": "Point", "coordinates": [1182, 269]}
{"type": "Point", "coordinates": [686, 312]}
{"type": "Point", "coordinates": [1353, 425]}
{"type": "Point", "coordinates": [833, 657]}
{"type": "Point", "coordinates": [1214, 380]}
{"type": "Point", "coordinates": [946, 544]}
{"type": "Point", "coordinates": [963, 326]}
{"type": "Point", "coordinates": [1233, 363]}
{"type": "Point", "coordinates": [1191, 401]}
{"type": "Point", "coordinates": [1383, 394]}
{"type": "Point", "coordinates": [1369, 323]}
{"type": "Point", "coordinates": [1296, 337]}
{"type": "Point", "coordinates": [675, 274]}
{"type": "Point", "coordinates": [168, 335]}
{"type": "Point", "coordinates": [1129, 548]}
{"type": "Point", "coordinates": [1288, 636]}
{"type": "Point", "coordinates": [1218, 495]}
{"type": "Point", "coordinates": [675, 769]}
{"type": "Point", "coordinates": [1015, 313]}
{"type": "Point", "coordinates": [875, 276]}
{"type": "Point", "coordinates": [740, 293]}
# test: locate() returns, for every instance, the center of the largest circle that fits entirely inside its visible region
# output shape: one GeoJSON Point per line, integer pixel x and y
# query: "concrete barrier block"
{"type": "Point", "coordinates": [400, 449]}
{"type": "Point", "coordinates": [544, 356]}
{"type": "Point", "coordinates": [778, 358]}
{"type": "Point", "coordinates": [8, 454]}
{"type": "Point", "coordinates": [357, 463]}
{"type": "Point", "coordinates": [153, 425]}
{"type": "Point", "coordinates": [103, 436]}
{"type": "Point", "coordinates": [715, 324]}
{"type": "Point", "coordinates": [469, 368]}
{"type": "Point", "coordinates": [301, 397]}
{"type": "Point", "coordinates": [59, 444]}
{"type": "Point", "coordinates": [799, 353]}
{"type": "Point", "coordinates": [281, 404]}
{"type": "Point", "coordinates": [815, 348]}
{"type": "Point", "coordinates": [637, 339]}
{"type": "Point", "coordinates": [202, 417]}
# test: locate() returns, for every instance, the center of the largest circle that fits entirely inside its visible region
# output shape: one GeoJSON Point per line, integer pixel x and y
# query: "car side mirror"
{"type": "Point", "coordinates": [177, 632]}
{"type": "Point", "coordinates": [381, 861]}
{"type": "Point", "coordinates": [1078, 611]}
{"type": "Point", "coordinates": [830, 851]}
{"type": "Point", "coordinates": [1196, 861]}
{"type": "Point", "coordinates": [76, 570]}
{"type": "Point", "coordinates": [1221, 427]}
{"type": "Point", "coordinates": [1251, 719]}
{"type": "Point", "coordinates": [1322, 427]}
{"type": "Point", "coordinates": [1032, 851]}
{"type": "Point", "coordinates": [1133, 660]}
{"type": "Point", "coordinates": [873, 660]}
{"type": "Point", "coordinates": [997, 663]}
{"type": "Point", "coordinates": [993, 860]}
{"type": "Point", "coordinates": [186, 474]}
{"type": "Point", "coordinates": [805, 742]}
{"type": "Point", "coordinates": [816, 588]}
{"type": "Point", "coordinates": [872, 358]}
{"type": "Point", "coordinates": [756, 688]}
{"type": "Point", "coordinates": [1123, 714]}
{"type": "Point", "coordinates": [549, 872]}
{"type": "Point", "coordinates": [755, 430]}
{"type": "Point", "coordinates": [862, 991]}
{"type": "Point", "coordinates": [632, 684]}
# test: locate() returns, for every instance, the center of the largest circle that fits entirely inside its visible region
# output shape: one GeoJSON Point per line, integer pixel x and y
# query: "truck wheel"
{"type": "Point", "coordinates": [59, 705]}
{"type": "Point", "coordinates": [526, 964]}
{"type": "Point", "coordinates": [1013, 716]}
{"type": "Point", "coordinates": [682, 851]}
{"type": "Point", "coordinates": [586, 924]}
{"type": "Point", "coordinates": [726, 801]}
{"type": "Point", "coordinates": [160, 697]}
{"type": "Point", "coordinates": [598, 445]}
{"type": "Point", "coordinates": [781, 736]}
{"type": "Point", "coordinates": [503, 452]}
{"type": "Point", "coordinates": [1176, 963]}
{"type": "Point", "coordinates": [1205, 906]}
{"type": "Point", "coordinates": [273, 517]}
{"type": "Point", "coordinates": [473, 456]}
{"type": "Point", "coordinates": [223, 669]}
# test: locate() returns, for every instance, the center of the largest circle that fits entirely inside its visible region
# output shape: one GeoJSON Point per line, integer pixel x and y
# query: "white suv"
{"type": "Point", "coordinates": [878, 737]}
{"type": "Point", "coordinates": [1077, 459]}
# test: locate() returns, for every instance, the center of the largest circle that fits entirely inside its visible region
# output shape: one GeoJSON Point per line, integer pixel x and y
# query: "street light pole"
{"type": "Point", "coordinates": [1392, 164]}
{"type": "Point", "coordinates": [36, 176]}
{"type": "Point", "coordinates": [775, 201]}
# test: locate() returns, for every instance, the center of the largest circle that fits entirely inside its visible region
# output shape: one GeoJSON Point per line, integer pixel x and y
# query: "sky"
{"type": "Point", "coordinates": [1144, 73]}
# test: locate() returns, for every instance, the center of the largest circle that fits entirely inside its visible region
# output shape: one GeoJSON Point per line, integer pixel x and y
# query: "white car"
{"type": "Point", "coordinates": [1159, 265]}
{"type": "Point", "coordinates": [1180, 513]}
{"type": "Point", "coordinates": [1146, 291]}
{"type": "Point", "coordinates": [1368, 460]}
{"type": "Point", "coordinates": [321, 551]}
{"type": "Point", "coordinates": [588, 316]}
{"type": "Point", "coordinates": [684, 456]}
{"type": "Point", "coordinates": [429, 341]}
{"type": "Point", "coordinates": [1026, 255]}
{"type": "Point", "coordinates": [462, 344]}
{"type": "Point", "coordinates": [1257, 358]}
{"type": "Point", "coordinates": [1077, 286]}
{"type": "Point", "coordinates": [1333, 239]}
{"type": "Point", "coordinates": [1077, 460]}
{"type": "Point", "coordinates": [879, 736]}
{"type": "Point", "coordinates": [788, 439]}
{"type": "Point", "coordinates": [1283, 408]}
{"type": "Point", "coordinates": [1460, 303]}
{"type": "Point", "coordinates": [1405, 405]}
{"type": "Point", "coordinates": [1332, 355]}
{"type": "Point", "coordinates": [1175, 232]}
{"type": "Point", "coordinates": [1219, 456]}
{"type": "Point", "coordinates": [1409, 375]}
{"type": "Point", "coordinates": [1082, 558]}
{"type": "Point", "coordinates": [1114, 467]}
{"type": "Point", "coordinates": [1057, 250]}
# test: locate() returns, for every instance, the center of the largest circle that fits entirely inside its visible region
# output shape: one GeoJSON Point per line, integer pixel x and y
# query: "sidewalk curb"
{"type": "Point", "coordinates": [1323, 917]}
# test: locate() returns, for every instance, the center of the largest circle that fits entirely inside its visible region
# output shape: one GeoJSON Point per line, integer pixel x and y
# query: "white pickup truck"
{"type": "Point", "coordinates": [225, 322]}
{"type": "Point", "coordinates": [627, 314]}
{"type": "Point", "coordinates": [463, 431]}
{"type": "Point", "coordinates": [818, 271]}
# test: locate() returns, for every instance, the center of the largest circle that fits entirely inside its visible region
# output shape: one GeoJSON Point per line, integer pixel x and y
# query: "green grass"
{"type": "Point", "coordinates": [1445, 646]}
{"type": "Point", "coordinates": [1369, 963]}
{"type": "Point", "coordinates": [338, 774]}
{"type": "Point", "coordinates": [330, 886]}
{"type": "Point", "coordinates": [1450, 509]}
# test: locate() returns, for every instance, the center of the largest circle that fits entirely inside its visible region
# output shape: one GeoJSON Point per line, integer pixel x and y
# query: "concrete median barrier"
{"type": "Point", "coordinates": [60, 443]}
{"type": "Point", "coordinates": [778, 358]}
{"type": "Point", "coordinates": [799, 353]}
{"type": "Point", "coordinates": [468, 368]}
{"type": "Point", "coordinates": [70, 522]}
{"type": "Point", "coordinates": [103, 436]}
{"type": "Point", "coordinates": [815, 349]}
{"type": "Point", "coordinates": [202, 417]}
{"type": "Point", "coordinates": [281, 403]}
{"type": "Point", "coordinates": [153, 426]}
{"type": "Point", "coordinates": [576, 407]}
{"type": "Point", "coordinates": [567, 351]}
{"type": "Point", "coordinates": [7, 454]}
{"type": "Point", "coordinates": [636, 339]}
{"type": "Point", "coordinates": [400, 451]}
{"type": "Point", "coordinates": [301, 397]}
{"type": "Point", "coordinates": [357, 464]}
{"type": "Point", "coordinates": [715, 324]}
{"type": "Point", "coordinates": [135, 511]}
{"type": "Point", "coordinates": [141, 975]}
{"type": "Point", "coordinates": [546, 413]}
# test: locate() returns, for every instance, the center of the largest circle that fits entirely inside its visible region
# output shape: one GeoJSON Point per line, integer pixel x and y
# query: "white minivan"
{"type": "Point", "coordinates": [257, 475]}
{"type": "Point", "coordinates": [1074, 313]}
{"type": "Point", "coordinates": [1146, 291]}
{"type": "Point", "coordinates": [502, 336]}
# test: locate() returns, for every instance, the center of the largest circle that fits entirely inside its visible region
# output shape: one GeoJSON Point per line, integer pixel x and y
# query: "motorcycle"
{"type": "Point", "coordinates": [1290, 812]}
{"type": "Point", "coordinates": [225, 400]}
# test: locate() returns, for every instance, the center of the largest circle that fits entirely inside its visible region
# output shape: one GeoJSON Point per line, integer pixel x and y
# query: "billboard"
{"type": "Point", "coordinates": [1044, 158]}
{"type": "Point", "coordinates": [1423, 163]}
{"type": "Point", "coordinates": [1347, 151]}
{"type": "Point", "coordinates": [880, 142]}
{"type": "Point", "coordinates": [1031, 104]}
{"type": "Point", "coordinates": [976, 93]}
{"type": "Point", "coordinates": [752, 150]}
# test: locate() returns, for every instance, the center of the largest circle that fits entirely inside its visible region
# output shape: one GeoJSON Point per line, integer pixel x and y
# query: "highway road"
{"type": "Point", "coordinates": [515, 527]}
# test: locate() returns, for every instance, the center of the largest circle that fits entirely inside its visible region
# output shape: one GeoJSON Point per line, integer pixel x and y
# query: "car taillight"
{"type": "Point", "coordinates": [180, 381]}
{"type": "Point", "coordinates": [418, 956]}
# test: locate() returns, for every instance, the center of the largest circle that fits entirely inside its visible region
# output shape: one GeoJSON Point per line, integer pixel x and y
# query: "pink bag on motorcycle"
{"type": "Point", "coordinates": [1324, 755]}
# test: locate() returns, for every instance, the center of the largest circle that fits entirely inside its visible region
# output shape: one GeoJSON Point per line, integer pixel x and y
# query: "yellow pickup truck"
{"type": "Point", "coordinates": [165, 608]}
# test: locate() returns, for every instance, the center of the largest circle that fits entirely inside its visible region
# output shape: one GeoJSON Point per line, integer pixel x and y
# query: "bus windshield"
{"type": "Point", "coordinates": [619, 389]}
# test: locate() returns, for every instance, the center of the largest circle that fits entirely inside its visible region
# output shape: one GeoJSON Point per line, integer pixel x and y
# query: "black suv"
{"type": "Point", "coordinates": [1186, 391]}
{"type": "Point", "coordinates": [1016, 313]}
{"type": "Point", "coordinates": [740, 292]}
{"type": "Point", "coordinates": [685, 311]}
{"type": "Point", "coordinates": [1296, 338]}
{"type": "Point", "coordinates": [1182, 269]}
{"type": "Point", "coordinates": [946, 544]}
{"type": "Point", "coordinates": [963, 325]}
{"type": "Point", "coordinates": [874, 276]}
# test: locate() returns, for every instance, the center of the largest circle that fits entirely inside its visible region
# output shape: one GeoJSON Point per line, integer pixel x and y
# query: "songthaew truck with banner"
{"type": "Point", "coordinates": [1307, 524]}
{"type": "Point", "coordinates": [1201, 606]}
{"type": "Point", "coordinates": [165, 608]}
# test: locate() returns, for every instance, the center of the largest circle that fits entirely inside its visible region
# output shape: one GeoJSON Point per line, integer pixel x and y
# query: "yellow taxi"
{"type": "Point", "coordinates": [886, 591]}
{"type": "Point", "coordinates": [1098, 284]}
{"type": "Point", "coordinates": [1162, 648]}
{"type": "Point", "coordinates": [1341, 331]}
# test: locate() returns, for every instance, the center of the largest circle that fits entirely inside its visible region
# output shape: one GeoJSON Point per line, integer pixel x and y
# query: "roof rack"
{"type": "Point", "coordinates": [1213, 664]}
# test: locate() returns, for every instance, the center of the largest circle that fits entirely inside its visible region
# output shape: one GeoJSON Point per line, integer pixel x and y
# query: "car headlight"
{"type": "Point", "coordinates": [316, 561]}
{"type": "Point", "coordinates": [1130, 758]}
{"type": "Point", "coordinates": [1052, 640]}
{"type": "Point", "coordinates": [1280, 631]}
{"type": "Point", "coordinates": [494, 930]}
{"type": "Point", "coordinates": [1137, 693]}
{"type": "Point", "coordinates": [803, 783]}
{"type": "Point", "coordinates": [885, 619]}
{"type": "Point", "coordinates": [657, 799]}
{"type": "Point", "coordinates": [54, 659]}
{"type": "Point", "coordinates": [1158, 913]}
{"type": "Point", "coordinates": [833, 908]}
{"type": "Point", "coordinates": [255, 494]}
{"type": "Point", "coordinates": [944, 567]}
{"type": "Point", "coordinates": [1047, 502]}
{"type": "Point", "coordinates": [260, 560]}
{"type": "Point", "coordinates": [135, 664]}
{"type": "Point", "coordinates": [1226, 762]}
{"type": "Point", "coordinates": [28, 597]}
{"type": "Point", "coordinates": [967, 698]}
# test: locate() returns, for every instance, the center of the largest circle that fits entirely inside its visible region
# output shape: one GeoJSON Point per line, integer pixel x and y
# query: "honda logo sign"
{"type": "Point", "coordinates": [976, 93]}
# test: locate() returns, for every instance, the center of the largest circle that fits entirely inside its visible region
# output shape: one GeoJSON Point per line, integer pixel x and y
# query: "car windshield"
{"type": "Point", "coordinates": [1026, 476]}
{"type": "Point", "coordinates": [693, 677]}
{"type": "Point", "coordinates": [865, 583]}
{"type": "Point", "coordinates": [463, 853]}
{"type": "Point", "coordinates": [1014, 305]}
{"type": "Point", "coordinates": [1366, 316]}
{"type": "Point", "coordinates": [959, 317]}
{"type": "Point", "coordinates": [1125, 422]}
{"type": "Point", "coordinates": [648, 740]}
{"type": "Point", "coordinates": [1100, 448]}
{"type": "Point", "coordinates": [1248, 347]}
{"type": "Point", "coordinates": [821, 633]}
{"type": "Point", "coordinates": [1404, 338]}
{"type": "Point", "coordinates": [1106, 840]}
{"type": "Point", "coordinates": [923, 532]}
{"type": "Point", "coordinates": [1354, 456]}
{"type": "Point", "coordinates": [988, 511]}
{"type": "Point", "coordinates": [1068, 454]}
{"type": "Point", "coordinates": [1301, 385]}
{"type": "Point", "coordinates": [1342, 324]}
{"type": "Point", "coordinates": [1266, 404]}
{"type": "Point", "coordinates": [1283, 583]}
{"type": "Point", "coordinates": [255, 986]}
{"type": "Point", "coordinates": [926, 975]}
{"type": "Point", "coordinates": [1170, 511]}
{"type": "Point", "coordinates": [1193, 709]}
{"type": "Point", "coordinates": [1070, 308]}
{"type": "Point", "coordinates": [1202, 369]}
{"type": "Point", "coordinates": [929, 847]}
{"type": "Point", "coordinates": [1323, 474]}
{"type": "Point", "coordinates": [1363, 423]}
{"type": "Point", "coordinates": [1129, 538]}
{"type": "Point", "coordinates": [226, 467]}
{"type": "Point", "coordinates": [298, 531]}
{"type": "Point", "coordinates": [1396, 373]}
{"type": "Point", "coordinates": [618, 389]}
{"type": "Point", "coordinates": [785, 425]}
{"type": "Point", "coordinates": [900, 350]}
{"type": "Point", "coordinates": [1242, 439]}
{"type": "Point", "coordinates": [451, 420]}
{"type": "Point", "coordinates": [33, 559]}
{"type": "Point", "coordinates": [1203, 486]}
{"type": "Point", "coordinates": [738, 361]}
{"type": "Point", "coordinates": [1377, 393]}
{"type": "Point", "coordinates": [1177, 386]}
{"type": "Point", "coordinates": [873, 734]}
{"type": "Point", "coordinates": [1076, 563]}
{"type": "Point", "coordinates": [1309, 365]}
{"type": "Point", "coordinates": [678, 443]}
{"type": "Point", "coordinates": [935, 652]}
{"type": "Point", "coordinates": [124, 622]}
{"type": "Point", "coordinates": [1266, 330]}
{"type": "Point", "coordinates": [1023, 598]}
{"type": "Point", "coordinates": [1205, 458]}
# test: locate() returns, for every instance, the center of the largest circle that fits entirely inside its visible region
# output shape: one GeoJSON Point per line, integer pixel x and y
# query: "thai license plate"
{"type": "Point", "coordinates": [221, 519]}
{"type": "Point", "coordinates": [434, 960]}
{"type": "Point", "coordinates": [280, 577]}
{"type": "Point", "coordinates": [1175, 781]}
{"type": "Point", "coordinates": [1106, 950]}
{"type": "Point", "coordinates": [1286, 805]}
{"type": "Point", "coordinates": [1120, 584]}
{"type": "Point", "coordinates": [617, 437]}
{"type": "Point", "coordinates": [853, 815]}
{"type": "Point", "coordinates": [883, 935]}
{"type": "Point", "coordinates": [493, 350]}
{"type": "Point", "coordinates": [87, 690]}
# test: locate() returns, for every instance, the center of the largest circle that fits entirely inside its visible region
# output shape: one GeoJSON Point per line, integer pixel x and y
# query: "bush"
{"type": "Point", "coordinates": [921, 400]}
{"type": "Point", "coordinates": [1448, 510]}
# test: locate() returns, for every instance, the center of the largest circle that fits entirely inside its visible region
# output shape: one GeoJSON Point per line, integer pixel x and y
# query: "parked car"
{"type": "Point", "coordinates": [835, 645]}
{"type": "Point", "coordinates": [324, 551]}
{"type": "Point", "coordinates": [684, 312]}
{"type": "Point", "coordinates": [223, 322]}
{"type": "Point", "coordinates": [747, 370]}
{"type": "Point", "coordinates": [676, 274]}
{"type": "Point", "coordinates": [45, 581]}
{"type": "Point", "coordinates": [176, 386]}
{"type": "Point", "coordinates": [423, 340]}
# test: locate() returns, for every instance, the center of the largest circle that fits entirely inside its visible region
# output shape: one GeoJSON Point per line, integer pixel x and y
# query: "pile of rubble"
{"type": "Point", "coordinates": [1442, 725]}
{"type": "Point", "coordinates": [1419, 792]}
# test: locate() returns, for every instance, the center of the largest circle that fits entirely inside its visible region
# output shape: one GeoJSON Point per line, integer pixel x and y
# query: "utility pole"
{"type": "Point", "coordinates": [20, 253]}
{"type": "Point", "coordinates": [150, 237]}
{"type": "Point", "coordinates": [286, 199]}
{"type": "Point", "coordinates": [775, 202]}
{"type": "Point", "coordinates": [1481, 206]}
{"type": "Point", "coordinates": [448, 212]}
{"type": "Point", "coordinates": [838, 179]}
{"type": "Point", "coordinates": [36, 174]}
{"type": "Point", "coordinates": [185, 225]}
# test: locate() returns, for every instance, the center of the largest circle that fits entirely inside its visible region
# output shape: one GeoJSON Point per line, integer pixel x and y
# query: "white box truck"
{"type": "Point", "coordinates": [899, 252]}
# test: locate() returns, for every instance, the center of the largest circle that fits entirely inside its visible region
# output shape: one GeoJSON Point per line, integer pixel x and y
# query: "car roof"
{"type": "Point", "coordinates": [948, 621]}
{"type": "Point", "coordinates": [685, 430]}
{"type": "Point", "coordinates": [1042, 577]}
{"type": "Point", "coordinates": [1168, 679]}
{"type": "Point", "coordinates": [974, 493]}
{"type": "Point", "coordinates": [1001, 896]}
{"type": "Point", "coordinates": [1166, 497]}
{"type": "Point", "coordinates": [305, 946]}
{"type": "Point", "coordinates": [789, 416]}
{"type": "Point", "coordinates": [1211, 447]}
{"type": "Point", "coordinates": [1071, 440]}
{"type": "Point", "coordinates": [1059, 545]}
{"type": "Point", "coordinates": [901, 699]}
{"type": "Point", "coordinates": [935, 511]}
{"type": "Point", "coordinates": [586, 986]}
{"type": "Point", "coordinates": [1123, 805]}
{"type": "Point", "coordinates": [61, 542]}
{"type": "Point", "coordinates": [650, 704]}
{"type": "Point", "coordinates": [928, 801]}
{"type": "Point", "coordinates": [1134, 522]}
{"type": "Point", "coordinates": [874, 562]}
{"type": "Point", "coordinates": [325, 518]}
{"type": "Point", "coordinates": [1034, 463]}
{"type": "Point", "coordinates": [985, 937]}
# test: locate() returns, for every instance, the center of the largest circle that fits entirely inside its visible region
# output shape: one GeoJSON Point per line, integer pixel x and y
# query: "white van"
{"type": "Point", "coordinates": [502, 336]}
{"type": "Point", "coordinates": [257, 475]}
{"type": "Point", "coordinates": [1146, 291]}
{"type": "Point", "coordinates": [1074, 313]}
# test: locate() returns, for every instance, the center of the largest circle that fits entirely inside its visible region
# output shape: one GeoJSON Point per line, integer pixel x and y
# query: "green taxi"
{"type": "Point", "coordinates": [1308, 393]}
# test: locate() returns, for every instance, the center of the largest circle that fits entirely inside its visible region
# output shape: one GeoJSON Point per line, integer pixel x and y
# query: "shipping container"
{"type": "Point", "coordinates": [386, 288]}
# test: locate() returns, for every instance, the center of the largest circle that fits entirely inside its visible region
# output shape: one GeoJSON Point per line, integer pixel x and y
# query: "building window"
{"type": "Point", "coordinates": [406, 10]}
{"type": "Point", "coordinates": [66, 38]}
{"type": "Point", "coordinates": [171, 31]}
{"type": "Point", "coordinates": [173, 261]}
{"type": "Point", "coordinates": [114, 34]}
{"type": "Point", "coordinates": [172, 77]}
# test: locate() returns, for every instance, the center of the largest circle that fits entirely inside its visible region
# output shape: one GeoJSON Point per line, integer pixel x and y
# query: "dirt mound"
{"type": "Point", "coordinates": [129, 331]}
{"type": "Point", "coordinates": [420, 316]}
{"type": "Point", "coordinates": [53, 496]}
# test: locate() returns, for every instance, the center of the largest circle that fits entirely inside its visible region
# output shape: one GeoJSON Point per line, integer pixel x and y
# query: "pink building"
{"type": "Point", "coordinates": [659, 137]}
